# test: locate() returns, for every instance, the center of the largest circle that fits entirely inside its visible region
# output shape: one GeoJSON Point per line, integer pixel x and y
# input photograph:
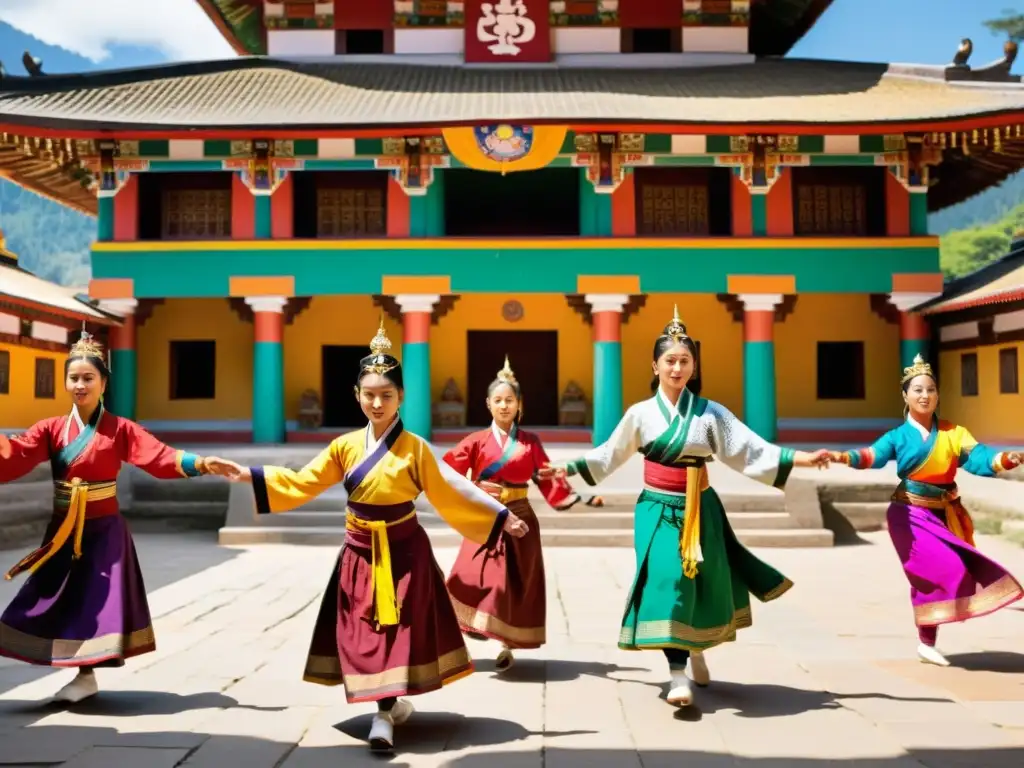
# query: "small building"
{"type": "Point", "coordinates": [38, 320]}
{"type": "Point", "coordinates": [542, 180]}
{"type": "Point", "coordinates": [979, 329]}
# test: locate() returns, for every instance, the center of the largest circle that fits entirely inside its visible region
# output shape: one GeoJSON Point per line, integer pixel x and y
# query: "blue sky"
{"type": "Point", "coordinates": [90, 34]}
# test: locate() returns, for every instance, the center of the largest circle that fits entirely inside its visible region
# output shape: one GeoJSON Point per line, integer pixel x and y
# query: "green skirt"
{"type": "Point", "coordinates": [666, 609]}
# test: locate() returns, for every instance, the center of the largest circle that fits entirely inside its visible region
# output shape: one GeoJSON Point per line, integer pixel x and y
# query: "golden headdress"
{"type": "Point", "coordinates": [676, 329]}
{"type": "Point", "coordinates": [506, 374]}
{"type": "Point", "coordinates": [380, 345]}
{"type": "Point", "coordinates": [86, 346]}
{"type": "Point", "coordinates": [919, 368]}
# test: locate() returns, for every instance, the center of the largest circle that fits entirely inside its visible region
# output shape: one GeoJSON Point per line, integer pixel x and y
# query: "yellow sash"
{"type": "Point", "coordinates": [958, 519]}
{"type": "Point", "coordinates": [382, 580]}
{"type": "Point", "coordinates": [77, 495]}
{"type": "Point", "coordinates": [508, 495]}
{"type": "Point", "coordinates": [689, 540]}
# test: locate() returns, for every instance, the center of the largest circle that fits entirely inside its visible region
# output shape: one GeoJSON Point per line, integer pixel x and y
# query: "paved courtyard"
{"type": "Point", "coordinates": [827, 674]}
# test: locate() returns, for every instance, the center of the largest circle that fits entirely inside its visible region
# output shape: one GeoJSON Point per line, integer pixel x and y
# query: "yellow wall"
{"type": "Point", "coordinates": [836, 317]}
{"type": "Point", "coordinates": [20, 408]}
{"type": "Point", "coordinates": [482, 312]}
{"type": "Point", "coordinates": [990, 415]}
{"type": "Point", "coordinates": [195, 320]}
{"type": "Point", "coordinates": [706, 320]}
{"type": "Point", "coordinates": [341, 320]}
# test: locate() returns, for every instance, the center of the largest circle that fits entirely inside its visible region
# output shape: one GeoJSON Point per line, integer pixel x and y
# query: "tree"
{"type": "Point", "coordinates": [1011, 22]}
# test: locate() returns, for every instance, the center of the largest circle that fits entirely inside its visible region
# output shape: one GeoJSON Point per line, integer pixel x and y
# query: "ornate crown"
{"type": "Point", "coordinates": [676, 329]}
{"type": "Point", "coordinates": [919, 368]}
{"type": "Point", "coordinates": [380, 344]}
{"type": "Point", "coordinates": [86, 346]}
{"type": "Point", "coordinates": [506, 374]}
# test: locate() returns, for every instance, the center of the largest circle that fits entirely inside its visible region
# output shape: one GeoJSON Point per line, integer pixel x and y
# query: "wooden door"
{"type": "Point", "coordinates": [533, 356]}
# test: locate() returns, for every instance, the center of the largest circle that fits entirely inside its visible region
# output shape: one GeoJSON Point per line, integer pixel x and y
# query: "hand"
{"type": "Point", "coordinates": [5, 447]}
{"type": "Point", "coordinates": [1013, 458]}
{"type": "Point", "coordinates": [820, 459]}
{"type": "Point", "coordinates": [515, 527]}
{"type": "Point", "coordinates": [236, 473]}
{"type": "Point", "coordinates": [552, 470]}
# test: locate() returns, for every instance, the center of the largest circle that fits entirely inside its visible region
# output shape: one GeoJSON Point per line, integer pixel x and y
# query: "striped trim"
{"type": "Point", "coordinates": [259, 490]}
{"type": "Point", "coordinates": [785, 467]}
{"type": "Point", "coordinates": [185, 463]}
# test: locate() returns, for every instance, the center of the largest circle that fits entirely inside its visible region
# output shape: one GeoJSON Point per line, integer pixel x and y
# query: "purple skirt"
{"type": "Point", "coordinates": [949, 579]}
{"type": "Point", "coordinates": [86, 612]}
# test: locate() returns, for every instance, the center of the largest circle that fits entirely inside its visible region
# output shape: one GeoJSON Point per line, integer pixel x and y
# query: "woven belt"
{"type": "Point", "coordinates": [75, 495]}
{"type": "Point", "coordinates": [382, 580]}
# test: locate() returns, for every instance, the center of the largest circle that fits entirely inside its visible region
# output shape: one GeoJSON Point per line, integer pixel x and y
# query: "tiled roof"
{"type": "Point", "coordinates": [22, 286]}
{"type": "Point", "coordinates": [996, 283]}
{"type": "Point", "coordinates": [280, 93]}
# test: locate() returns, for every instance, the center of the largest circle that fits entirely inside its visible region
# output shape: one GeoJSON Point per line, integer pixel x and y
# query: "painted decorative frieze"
{"type": "Point", "coordinates": [716, 13]}
{"type": "Point", "coordinates": [583, 13]}
{"type": "Point", "coordinates": [412, 160]}
{"type": "Point", "coordinates": [298, 14]}
{"type": "Point", "coordinates": [606, 157]}
{"type": "Point", "coordinates": [430, 13]}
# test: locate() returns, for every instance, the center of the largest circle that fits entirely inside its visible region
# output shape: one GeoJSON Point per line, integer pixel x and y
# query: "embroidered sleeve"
{"type": "Point", "coordinates": [880, 453]}
{"type": "Point", "coordinates": [742, 449]}
{"type": "Point", "coordinates": [597, 464]}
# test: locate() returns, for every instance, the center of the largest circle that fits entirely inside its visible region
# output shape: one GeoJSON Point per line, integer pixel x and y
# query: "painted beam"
{"type": "Point", "coordinates": [833, 265]}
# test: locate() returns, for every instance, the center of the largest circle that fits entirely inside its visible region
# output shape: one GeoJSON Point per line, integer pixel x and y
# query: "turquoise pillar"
{"type": "Point", "coordinates": [595, 210]}
{"type": "Point", "coordinates": [268, 424]}
{"type": "Point", "coordinates": [262, 217]}
{"type": "Point", "coordinates": [426, 211]}
{"type": "Point", "coordinates": [918, 211]}
{"type": "Point", "coordinates": [121, 393]}
{"type": "Point", "coordinates": [606, 311]}
{"type": "Point", "coordinates": [105, 219]}
{"type": "Point", "coordinates": [417, 312]}
{"type": "Point", "coordinates": [759, 400]}
{"type": "Point", "coordinates": [759, 214]}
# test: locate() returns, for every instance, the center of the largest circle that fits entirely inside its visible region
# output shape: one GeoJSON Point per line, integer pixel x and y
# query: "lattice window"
{"type": "Point", "coordinates": [969, 374]}
{"type": "Point", "coordinates": [198, 214]}
{"type": "Point", "coordinates": [5, 372]}
{"type": "Point", "coordinates": [673, 210]}
{"type": "Point", "coordinates": [1008, 381]}
{"type": "Point", "coordinates": [826, 209]}
{"type": "Point", "coordinates": [351, 212]}
{"type": "Point", "coordinates": [46, 371]}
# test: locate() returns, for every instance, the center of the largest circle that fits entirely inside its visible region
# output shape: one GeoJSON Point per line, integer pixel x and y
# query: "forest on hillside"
{"type": "Point", "coordinates": [54, 242]}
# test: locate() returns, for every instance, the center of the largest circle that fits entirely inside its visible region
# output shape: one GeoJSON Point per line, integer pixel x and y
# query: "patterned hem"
{"type": "Point", "coordinates": [651, 635]}
{"type": "Point", "coordinates": [997, 595]}
{"type": "Point", "coordinates": [474, 621]}
{"type": "Point", "coordinates": [47, 652]}
{"type": "Point", "coordinates": [777, 592]}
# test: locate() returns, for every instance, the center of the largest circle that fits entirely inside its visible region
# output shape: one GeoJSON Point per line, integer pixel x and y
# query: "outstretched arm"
{"type": "Point", "coordinates": [880, 453]}
{"type": "Point", "coordinates": [555, 489]}
{"type": "Point", "coordinates": [20, 454]}
{"type": "Point", "coordinates": [597, 464]}
{"type": "Point", "coordinates": [979, 459]}
{"type": "Point", "coordinates": [143, 450]}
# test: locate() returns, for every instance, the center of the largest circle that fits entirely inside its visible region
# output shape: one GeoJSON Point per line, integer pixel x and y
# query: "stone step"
{"type": "Point", "coordinates": [864, 517]}
{"type": "Point", "coordinates": [445, 537]}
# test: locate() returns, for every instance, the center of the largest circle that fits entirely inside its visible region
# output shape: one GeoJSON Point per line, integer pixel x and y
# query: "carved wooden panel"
{"type": "Point", "coordinates": [46, 373]}
{"type": "Point", "coordinates": [196, 214]}
{"type": "Point", "coordinates": [831, 209]}
{"type": "Point", "coordinates": [351, 212]}
{"type": "Point", "coordinates": [672, 210]}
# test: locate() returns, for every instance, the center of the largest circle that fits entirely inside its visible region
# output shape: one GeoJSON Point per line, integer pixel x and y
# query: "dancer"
{"type": "Point", "coordinates": [950, 580]}
{"type": "Point", "coordinates": [691, 590]}
{"type": "Point", "coordinates": [84, 603]}
{"type": "Point", "coordinates": [386, 627]}
{"type": "Point", "coordinates": [501, 594]}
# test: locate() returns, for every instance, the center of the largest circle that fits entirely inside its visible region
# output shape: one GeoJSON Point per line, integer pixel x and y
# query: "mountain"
{"type": "Point", "coordinates": [991, 205]}
{"type": "Point", "coordinates": [965, 250]}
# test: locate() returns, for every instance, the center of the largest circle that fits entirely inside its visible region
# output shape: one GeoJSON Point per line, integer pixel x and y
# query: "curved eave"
{"type": "Point", "coordinates": [40, 177]}
{"type": "Point", "coordinates": [228, 31]}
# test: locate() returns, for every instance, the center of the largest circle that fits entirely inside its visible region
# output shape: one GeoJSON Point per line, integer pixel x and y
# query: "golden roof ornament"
{"type": "Point", "coordinates": [380, 345]}
{"type": "Point", "coordinates": [86, 346]}
{"type": "Point", "coordinates": [506, 375]}
{"type": "Point", "coordinates": [919, 368]}
{"type": "Point", "coordinates": [676, 329]}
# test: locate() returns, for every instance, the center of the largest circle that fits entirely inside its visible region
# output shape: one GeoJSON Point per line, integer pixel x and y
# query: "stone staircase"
{"type": "Point", "coordinates": [759, 520]}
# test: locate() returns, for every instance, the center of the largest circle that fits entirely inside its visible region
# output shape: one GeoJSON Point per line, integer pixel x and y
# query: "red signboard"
{"type": "Point", "coordinates": [507, 31]}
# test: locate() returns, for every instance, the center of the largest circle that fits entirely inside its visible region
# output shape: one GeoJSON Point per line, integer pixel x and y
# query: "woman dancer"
{"type": "Point", "coordinates": [933, 534]}
{"type": "Point", "coordinates": [691, 590]}
{"type": "Point", "coordinates": [501, 594]}
{"type": "Point", "coordinates": [84, 603]}
{"type": "Point", "coordinates": [386, 627]}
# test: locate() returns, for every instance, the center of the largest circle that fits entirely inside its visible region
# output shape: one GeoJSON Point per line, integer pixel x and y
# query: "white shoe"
{"type": "Point", "coordinates": [699, 669]}
{"type": "Point", "coordinates": [929, 655]}
{"type": "Point", "coordinates": [382, 730]}
{"type": "Point", "coordinates": [680, 694]}
{"type": "Point", "coordinates": [82, 687]}
{"type": "Point", "coordinates": [504, 661]}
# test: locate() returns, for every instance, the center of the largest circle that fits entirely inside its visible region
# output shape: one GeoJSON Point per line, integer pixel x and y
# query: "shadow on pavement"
{"type": "Point", "coordinates": [989, 661]}
{"type": "Point", "coordinates": [554, 670]}
{"type": "Point", "coordinates": [130, 704]}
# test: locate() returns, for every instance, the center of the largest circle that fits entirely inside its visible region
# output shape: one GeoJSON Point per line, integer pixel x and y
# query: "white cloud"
{"type": "Point", "coordinates": [178, 28]}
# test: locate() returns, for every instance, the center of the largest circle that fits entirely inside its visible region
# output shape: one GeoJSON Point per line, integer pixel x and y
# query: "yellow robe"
{"type": "Point", "coordinates": [408, 469]}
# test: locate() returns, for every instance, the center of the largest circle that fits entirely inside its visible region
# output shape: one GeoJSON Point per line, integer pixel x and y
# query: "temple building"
{"type": "Point", "coordinates": [979, 330]}
{"type": "Point", "coordinates": [38, 321]}
{"type": "Point", "coordinates": [542, 180]}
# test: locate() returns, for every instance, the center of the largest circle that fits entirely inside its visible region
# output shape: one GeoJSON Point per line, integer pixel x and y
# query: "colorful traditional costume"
{"type": "Point", "coordinates": [386, 627]}
{"type": "Point", "coordinates": [950, 580]}
{"type": "Point", "coordinates": [693, 579]}
{"type": "Point", "coordinates": [501, 594]}
{"type": "Point", "coordinates": [84, 604]}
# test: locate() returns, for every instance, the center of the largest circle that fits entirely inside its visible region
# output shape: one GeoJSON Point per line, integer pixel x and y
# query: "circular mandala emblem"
{"type": "Point", "coordinates": [512, 311]}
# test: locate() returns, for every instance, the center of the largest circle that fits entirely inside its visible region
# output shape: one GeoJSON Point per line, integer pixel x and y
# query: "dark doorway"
{"type": "Point", "coordinates": [340, 366]}
{"type": "Point", "coordinates": [533, 356]}
{"type": "Point", "coordinates": [523, 204]}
